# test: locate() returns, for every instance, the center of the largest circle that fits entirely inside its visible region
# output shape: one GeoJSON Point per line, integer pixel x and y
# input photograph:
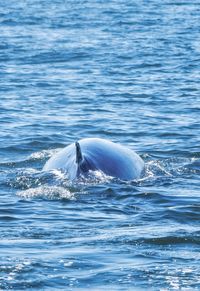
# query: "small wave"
{"type": "Point", "coordinates": [52, 185]}
{"type": "Point", "coordinates": [48, 192]}
{"type": "Point", "coordinates": [170, 168]}
{"type": "Point", "coordinates": [41, 155]}
{"type": "Point", "coordinates": [28, 161]}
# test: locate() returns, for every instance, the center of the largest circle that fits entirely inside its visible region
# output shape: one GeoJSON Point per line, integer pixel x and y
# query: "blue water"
{"type": "Point", "coordinates": [127, 71]}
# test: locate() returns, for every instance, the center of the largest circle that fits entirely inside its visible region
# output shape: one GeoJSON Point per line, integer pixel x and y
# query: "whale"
{"type": "Point", "coordinates": [97, 154]}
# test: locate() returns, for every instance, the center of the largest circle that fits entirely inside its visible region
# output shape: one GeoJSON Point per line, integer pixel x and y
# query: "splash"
{"type": "Point", "coordinates": [49, 192]}
{"type": "Point", "coordinates": [41, 155]}
{"type": "Point", "coordinates": [94, 178]}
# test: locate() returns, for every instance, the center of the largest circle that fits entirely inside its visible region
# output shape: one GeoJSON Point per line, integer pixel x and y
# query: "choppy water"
{"type": "Point", "coordinates": [123, 70]}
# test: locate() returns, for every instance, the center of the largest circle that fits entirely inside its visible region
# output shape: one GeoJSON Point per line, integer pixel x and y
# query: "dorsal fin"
{"type": "Point", "coordinates": [79, 156]}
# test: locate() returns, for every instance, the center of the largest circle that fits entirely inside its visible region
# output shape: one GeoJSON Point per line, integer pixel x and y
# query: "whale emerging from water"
{"type": "Point", "coordinates": [96, 154]}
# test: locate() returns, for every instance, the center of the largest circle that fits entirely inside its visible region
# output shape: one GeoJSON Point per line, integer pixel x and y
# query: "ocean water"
{"type": "Point", "coordinates": [127, 71]}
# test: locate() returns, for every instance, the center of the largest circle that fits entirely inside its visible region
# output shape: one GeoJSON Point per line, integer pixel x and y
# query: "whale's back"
{"type": "Point", "coordinates": [98, 154]}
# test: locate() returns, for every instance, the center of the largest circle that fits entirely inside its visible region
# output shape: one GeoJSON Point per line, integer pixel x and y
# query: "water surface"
{"type": "Point", "coordinates": [127, 71]}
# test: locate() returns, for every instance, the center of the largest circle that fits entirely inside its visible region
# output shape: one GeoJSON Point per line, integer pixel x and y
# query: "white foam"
{"type": "Point", "coordinates": [50, 192]}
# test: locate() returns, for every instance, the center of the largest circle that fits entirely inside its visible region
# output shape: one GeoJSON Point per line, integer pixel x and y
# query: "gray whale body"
{"type": "Point", "coordinates": [93, 154]}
